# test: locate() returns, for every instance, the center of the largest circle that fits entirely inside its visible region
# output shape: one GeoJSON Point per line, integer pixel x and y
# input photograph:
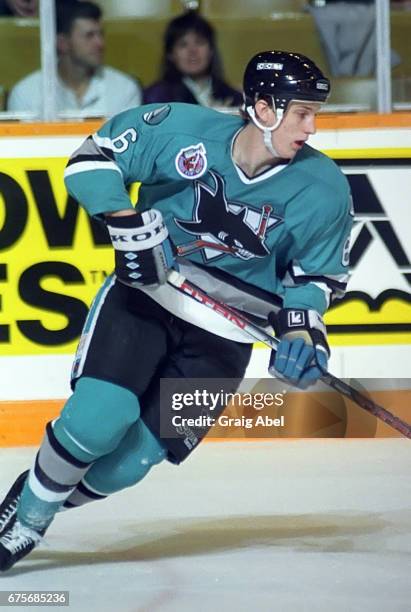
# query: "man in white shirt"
{"type": "Point", "coordinates": [84, 86]}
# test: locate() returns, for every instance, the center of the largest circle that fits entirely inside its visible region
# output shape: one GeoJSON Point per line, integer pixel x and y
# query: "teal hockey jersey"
{"type": "Point", "coordinates": [284, 232]}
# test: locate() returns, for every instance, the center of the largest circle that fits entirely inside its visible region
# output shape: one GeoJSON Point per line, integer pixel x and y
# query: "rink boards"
{"type": "Point", "coordinates": [53, 261]}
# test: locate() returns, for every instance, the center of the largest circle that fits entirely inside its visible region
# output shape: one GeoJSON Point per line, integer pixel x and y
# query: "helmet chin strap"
{"type": "Point", "coordinates": [267, 130]}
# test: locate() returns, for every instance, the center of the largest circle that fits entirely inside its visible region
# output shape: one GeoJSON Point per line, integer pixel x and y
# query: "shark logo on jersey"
{"type": "Point", "coordinates": [191, 162]}
{"type": "Point", "coordinates": [226, 228]}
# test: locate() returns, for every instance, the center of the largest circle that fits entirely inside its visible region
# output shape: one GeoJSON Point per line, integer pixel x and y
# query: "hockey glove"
{"type": "Point", "coordinates": [303, 351]}
{"type": "Point", "coordinates": [143, 252]}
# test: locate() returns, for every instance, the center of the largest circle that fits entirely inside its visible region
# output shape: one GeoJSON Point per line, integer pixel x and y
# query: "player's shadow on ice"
{"type": "Point", "coordinates": [164, 539]}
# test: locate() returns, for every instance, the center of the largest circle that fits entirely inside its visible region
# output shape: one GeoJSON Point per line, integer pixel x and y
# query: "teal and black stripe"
{"type": "Point", "coordinates": [89, 326]}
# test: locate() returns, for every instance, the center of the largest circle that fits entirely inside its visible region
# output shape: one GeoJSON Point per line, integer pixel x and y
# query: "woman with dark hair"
{"type": "Point", "coordinates": [191, 70]}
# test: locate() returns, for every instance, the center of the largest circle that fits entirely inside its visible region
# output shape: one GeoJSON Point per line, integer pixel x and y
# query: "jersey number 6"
{"type": "Point", "coordinates": [121, 143]}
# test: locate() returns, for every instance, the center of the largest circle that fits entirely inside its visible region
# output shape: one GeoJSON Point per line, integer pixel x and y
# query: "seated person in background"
{"type": "Point", "coordinates": [191, 70]}
{"type": "Point", "coordinates": [84, 84]}
{"type": "Point", "coordinates": [19, 8]}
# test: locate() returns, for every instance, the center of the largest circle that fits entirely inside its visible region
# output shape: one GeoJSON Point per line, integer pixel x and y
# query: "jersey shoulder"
{"type": "Point", "coordinates": [322, 169]}
{"type": "Point", "coordinates": [325, 186]}
{"type": "Point", "coordinates": [180, 120]}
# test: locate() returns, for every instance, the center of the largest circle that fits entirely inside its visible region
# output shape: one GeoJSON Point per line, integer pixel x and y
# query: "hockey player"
{"type": "Point", "coordinates": [247, 211]}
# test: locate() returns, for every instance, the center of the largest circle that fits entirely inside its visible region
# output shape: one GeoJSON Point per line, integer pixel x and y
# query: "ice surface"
{"type": "Point", "coordinates": [285, 525]}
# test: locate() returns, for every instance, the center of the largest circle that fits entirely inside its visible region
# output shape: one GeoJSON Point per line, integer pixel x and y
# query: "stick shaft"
{"type": "Point", "coordinates": [257, 333]}
{"type": "Point", "coordinates": [196, 245]}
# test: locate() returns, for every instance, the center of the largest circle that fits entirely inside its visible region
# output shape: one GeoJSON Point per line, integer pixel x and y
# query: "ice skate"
{"type": "Point", "coordinates": [8, 508]}
{"type": "Point", "coordinates": [16, 542]}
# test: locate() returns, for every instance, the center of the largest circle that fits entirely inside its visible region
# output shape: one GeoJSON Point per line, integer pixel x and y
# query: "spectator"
{"type": "Point", "coordinates": [19, 8]}
{"type": "Point", "coordinates": [191, 68]}
{"type": "Point", "coordinates": [84, 84]}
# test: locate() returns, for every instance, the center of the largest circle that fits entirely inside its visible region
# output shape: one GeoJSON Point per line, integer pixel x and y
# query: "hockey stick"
{"type": "Point", "coordinates": [196, 245]}
{"type": "Point", "coordinates": [178, 281]}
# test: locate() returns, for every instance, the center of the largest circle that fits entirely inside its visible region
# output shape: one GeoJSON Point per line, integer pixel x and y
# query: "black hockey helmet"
{"type": "Point", "coordinates": [285, 76]}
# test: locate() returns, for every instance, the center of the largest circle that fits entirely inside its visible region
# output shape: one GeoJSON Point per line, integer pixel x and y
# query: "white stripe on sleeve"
{"type": "Point", "coordinates": [104, 142]}
{"type": "Point", "coordinates": [87, 166]}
